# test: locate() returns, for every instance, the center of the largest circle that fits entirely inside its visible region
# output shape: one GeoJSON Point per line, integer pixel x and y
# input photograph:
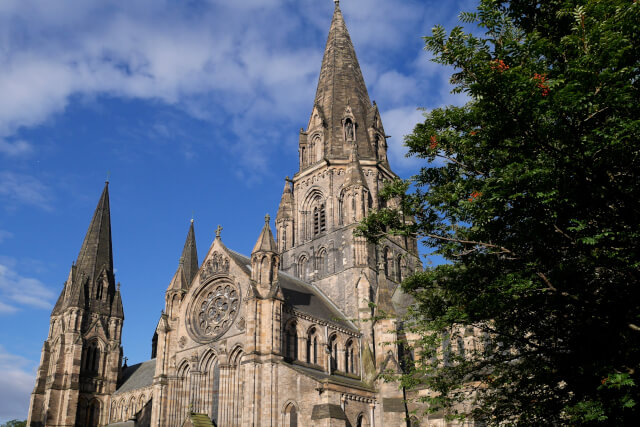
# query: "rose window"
{"type": "Point", "coordinates": [217, 310]}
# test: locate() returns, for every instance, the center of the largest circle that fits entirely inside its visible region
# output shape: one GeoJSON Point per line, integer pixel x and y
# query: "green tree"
{"type": "Point", "coordinates": [14, 423]}
{"type": "Point", "coordinates": [531, 191]}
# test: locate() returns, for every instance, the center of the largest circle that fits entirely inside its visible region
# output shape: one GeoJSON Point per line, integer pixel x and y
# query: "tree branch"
{"type": "Point", "coordinates": [472, 242]}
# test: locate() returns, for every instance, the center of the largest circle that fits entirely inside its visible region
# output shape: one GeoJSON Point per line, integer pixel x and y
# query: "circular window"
{"type": "Point", "coordinates": [215, 310]}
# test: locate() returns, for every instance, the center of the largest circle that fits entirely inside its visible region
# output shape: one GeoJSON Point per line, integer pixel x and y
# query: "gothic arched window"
{"type": "Point", "coordinates": [399, 269]}
{"type": "Point", "coordinates": [349, 358]}
{"type": "Point", "coordinates": [386, 259]}
{"type": "Point", "coordinates": [93, 414]}
{"type": "Point", "coordinates": [323, 262]}
{"type": "Point", "coordinates": [303, 268]}
{"type": "Point", "coordinates": [333, 346]}
{"type": "Point", "coordinates": [291, 341]}
{"type": "Point", "coordinates": [91, 358]}
{"type": "Point", "coordinates": [290, 416]}
{"type": "Point", "coordinates": [312, 346]}
{"type": "Point", "coordinates": [319, 220]}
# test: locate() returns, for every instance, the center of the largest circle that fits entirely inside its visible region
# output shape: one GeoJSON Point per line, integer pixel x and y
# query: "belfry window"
{"type": "Point", "coordinates": [319, 220]}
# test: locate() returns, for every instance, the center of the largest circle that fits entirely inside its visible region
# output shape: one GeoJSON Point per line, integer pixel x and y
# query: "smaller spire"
{"type": "Point", "coordinates": [286, 208]}
{"type": "Point", "coordinates": [265, 242]}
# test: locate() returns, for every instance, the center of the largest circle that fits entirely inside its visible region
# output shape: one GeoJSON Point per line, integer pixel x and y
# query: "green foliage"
{"type": "Point", "coordinates": [535, 201]}
{"type": "Point", "coordinates": [14, 423]}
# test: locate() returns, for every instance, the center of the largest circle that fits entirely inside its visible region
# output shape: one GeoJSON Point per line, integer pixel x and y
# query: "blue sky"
{"type": "Point", "coordinates": [193, 107]}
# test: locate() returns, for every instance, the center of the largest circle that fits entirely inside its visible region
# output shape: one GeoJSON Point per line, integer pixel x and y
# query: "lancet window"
{"type": "Point", "coordinates": [319, 220]}
{"type": "Point", "coordinates": [333, 346]}
{"type": "Point", "coordinates": [323, 262]}
{"type": "Point", "coordinates": [290, 416]}
{"type": "Point", "coordinates": [387, 260]}
{"type": "Point", "coordinates": [349, 356]}
{"type": "Point", "coordinates": [91, 358]}
{"type": "Point", "coordinates": [303, 268]}
{"type": "Point", "coordinates": [399, 268]}
{"type": "Point", "coordinates": [291, 341]}
{"type": "Point", "coordinates": [312, 346]}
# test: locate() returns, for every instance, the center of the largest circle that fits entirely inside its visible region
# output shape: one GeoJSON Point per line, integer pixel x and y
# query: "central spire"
{"type": "Point", "coordinates": [341, 88]}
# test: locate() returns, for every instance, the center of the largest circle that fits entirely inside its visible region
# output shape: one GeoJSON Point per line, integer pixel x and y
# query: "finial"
{"type": "Point", "coordinates": [108, 177]}
{"type": "Point", "coordinates": [192, 213]}
{"type": "Point", "coordinates": [267, 218]}
{"type": "Point", "coordinates": [118, 286]}
{"type": "Point", "coordinates": [286, 178]}
{"type": "Point", "coordinates": [337, 2]}
{"type": "Point", "coordinates": [218, 231]}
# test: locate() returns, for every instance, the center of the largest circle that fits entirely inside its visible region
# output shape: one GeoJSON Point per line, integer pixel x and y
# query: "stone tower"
{"type": "Point", "coordinates": [342, 167]}
{"type": "Point", "coordinates": [81, 356]}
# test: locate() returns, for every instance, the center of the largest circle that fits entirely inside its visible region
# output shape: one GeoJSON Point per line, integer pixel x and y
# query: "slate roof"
{"type": "Point", "coordinates": [322, 376]}
{"type": "Point", "coordinates": [137, 376]}
{"type": "Point", "coordinates": [303, 296]}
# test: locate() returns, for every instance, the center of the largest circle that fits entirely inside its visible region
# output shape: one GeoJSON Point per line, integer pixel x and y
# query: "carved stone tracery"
{"type": "Point", "coordinates": [218, 263]}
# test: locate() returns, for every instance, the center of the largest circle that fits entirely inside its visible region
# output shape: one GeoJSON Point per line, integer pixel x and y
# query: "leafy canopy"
{"type": "Point", "coordinates": [531, 190]}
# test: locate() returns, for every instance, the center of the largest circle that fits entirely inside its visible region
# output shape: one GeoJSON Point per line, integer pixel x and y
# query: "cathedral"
{"type": "Point", "coordinates": [289, 335]}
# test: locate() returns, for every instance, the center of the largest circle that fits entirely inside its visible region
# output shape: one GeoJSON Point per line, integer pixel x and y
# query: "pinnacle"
{"type": "Point", "coordinates": [265, 242]}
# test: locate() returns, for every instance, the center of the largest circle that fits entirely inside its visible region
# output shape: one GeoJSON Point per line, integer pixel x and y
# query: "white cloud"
{"type": "Point", "coordinates": [395, 87]}
{"type": "Point", "coordinates": [17, 290]}
{"type": "Point", "coordinates": [17, 188]}
{"type": "Point", "coordinates": [399, 122]}
{"type": "Point", "coordinates": [17, 378]}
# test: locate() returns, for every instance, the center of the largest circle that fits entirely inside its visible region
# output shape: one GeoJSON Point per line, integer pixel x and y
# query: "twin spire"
{"type": "Point", "coordinates": [91, 282]}
{"type": "Point", "coordinates": [96, 252]}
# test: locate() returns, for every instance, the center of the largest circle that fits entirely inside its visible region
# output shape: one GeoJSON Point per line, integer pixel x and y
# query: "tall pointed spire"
{"type": "Point", "coordinates": [188, 265]}
{"type": "Point", "coordinates": [342, 86]}
{"type": "Point", "coordinates": [189, 256]}
{"type": "Point", "coordinates": [96, 252]}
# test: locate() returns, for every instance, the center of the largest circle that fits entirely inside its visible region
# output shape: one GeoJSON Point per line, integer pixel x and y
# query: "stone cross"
{"type": "Point", "coordinates": [218, 231]}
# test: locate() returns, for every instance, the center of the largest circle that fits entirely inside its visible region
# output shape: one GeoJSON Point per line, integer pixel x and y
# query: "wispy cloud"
{"type": "Point", "coordinates": [18, 188]}
{"type": "Point", "coordinates": [15, 148]}
{"type": "Point", "coordinates": [17, 377]}
{"type": "Point", "coordinates": [17, 291]}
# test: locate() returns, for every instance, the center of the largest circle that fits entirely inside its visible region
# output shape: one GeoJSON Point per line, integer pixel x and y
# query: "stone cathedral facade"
{"type": "Point", "coordinates": [286, 336]}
